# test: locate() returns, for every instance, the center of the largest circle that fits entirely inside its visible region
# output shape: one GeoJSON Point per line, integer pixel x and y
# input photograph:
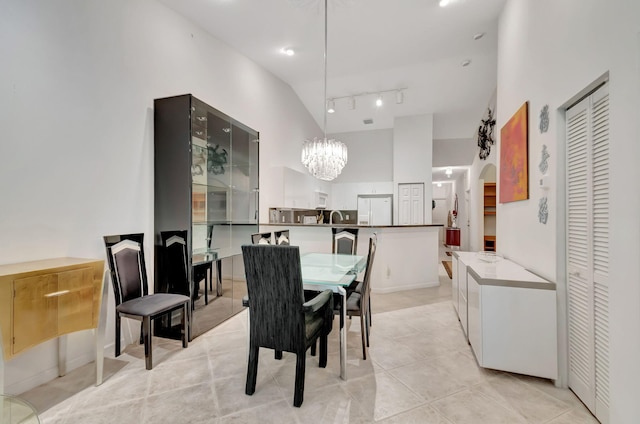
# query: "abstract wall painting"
{"type": "Point", "coordinates": [514, 157]}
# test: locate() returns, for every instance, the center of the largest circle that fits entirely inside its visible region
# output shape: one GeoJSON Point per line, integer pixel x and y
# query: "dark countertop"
{"type": "Point", "coordinates": [345, 225]}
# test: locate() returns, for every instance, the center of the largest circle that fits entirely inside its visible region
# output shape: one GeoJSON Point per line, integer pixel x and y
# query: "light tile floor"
{"type": "Point", "coordinates": [421, 370]}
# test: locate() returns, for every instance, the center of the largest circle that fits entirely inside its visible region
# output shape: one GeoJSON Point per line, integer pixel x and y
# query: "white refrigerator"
{"type": "Point", "coordinates": [375, 209]}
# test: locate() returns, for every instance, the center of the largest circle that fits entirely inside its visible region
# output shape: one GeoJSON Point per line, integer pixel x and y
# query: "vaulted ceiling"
{"type": "Point", "coordinates": [373, 46]}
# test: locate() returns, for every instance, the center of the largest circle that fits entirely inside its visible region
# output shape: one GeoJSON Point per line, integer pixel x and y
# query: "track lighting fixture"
{"type": "Point", "coordinates": [351, 99]}
{"type": "Point", "coordinates": [331, 106]}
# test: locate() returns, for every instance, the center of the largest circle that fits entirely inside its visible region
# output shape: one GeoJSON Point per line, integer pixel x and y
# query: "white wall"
{"type": "Point", "coordinates": [474, 183]}
{"type": "Point", "coordinates": [550, 63]}
{"type": "Point", "coordinates": [369, 170]}
{"type": "Point", "coordinates": [454, 152]}
{"type": "Point", "coordinates": [370, 154]}
{"type": "Point", "coordinates": [77, 84]}
{"type": "Point", "coordinates": [412, 156]}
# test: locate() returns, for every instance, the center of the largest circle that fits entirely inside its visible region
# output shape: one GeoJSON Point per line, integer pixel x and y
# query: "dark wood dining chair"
{"type": "Point", "coordinates": [344, 240]}
{"type": "Point", "coordinates": [359, 301]}
{"type": "Point", "coordinates": [175, 262]}
{"type": "Point", "coordinates": [125, 256]}
{"type": "Point", "coordinates": [282, 237]}
{"type": "Point", "coordinates": [279, 318]}
{"type": "Point", "coordinates": [261, 238]}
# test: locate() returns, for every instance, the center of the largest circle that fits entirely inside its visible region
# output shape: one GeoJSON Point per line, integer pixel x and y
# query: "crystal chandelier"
{"type": "Point", "coordinates": [324, 158]}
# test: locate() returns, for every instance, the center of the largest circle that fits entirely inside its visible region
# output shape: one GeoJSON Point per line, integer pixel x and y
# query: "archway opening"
{"type": "Point", "coordinates": [487, 184]}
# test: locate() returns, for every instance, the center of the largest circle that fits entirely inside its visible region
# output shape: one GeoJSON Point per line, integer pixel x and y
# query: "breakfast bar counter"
{"type": "Point", "coordinates": [406, 256]}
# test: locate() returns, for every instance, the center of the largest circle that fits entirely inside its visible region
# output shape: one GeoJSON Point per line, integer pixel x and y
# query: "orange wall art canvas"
{"type": "Point", "coordinates": [514, 157]}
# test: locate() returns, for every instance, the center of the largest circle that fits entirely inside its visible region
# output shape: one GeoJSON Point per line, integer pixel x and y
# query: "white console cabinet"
{"type": "Point", "coordinates": [455, 276]}
{"type": "Point", "coordinates": [510, 316]}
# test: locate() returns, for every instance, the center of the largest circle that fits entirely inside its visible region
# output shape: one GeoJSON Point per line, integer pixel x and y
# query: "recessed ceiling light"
{"type": "Point", "coordinates": [379, 101]}
{"type": "Point", "coordinates": [444, 3]}
{"type": "Point", "coordinates": [466, 62]}
{"type": "Point", "coordinates": [288, 51]}
{"type": "Point", "coordinates": [478, 36]}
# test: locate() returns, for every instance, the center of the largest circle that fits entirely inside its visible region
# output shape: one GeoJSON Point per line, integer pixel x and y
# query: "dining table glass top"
{"type": "Point", "coordinates": [331, 269]}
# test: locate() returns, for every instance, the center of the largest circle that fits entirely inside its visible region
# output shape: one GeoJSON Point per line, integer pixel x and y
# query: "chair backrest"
{"type": "Point", "coordinates": [274, 286]}
{"type": "Point", "coordinates": [125, 255]}
{"type": "Point", "coordinates": [261, 238]}
{"type": "Point", "coordinates": [366, 282]}
{"type": "Point", "coordinates": [175, 264]}
{"type": "Point", "coordinates": [282, 238]}
{"type": "Point", "coordinates": [345, 240]}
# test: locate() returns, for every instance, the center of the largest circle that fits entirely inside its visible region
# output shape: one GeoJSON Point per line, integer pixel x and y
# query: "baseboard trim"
{"type": "Point", "coordinates": [404, 288]}
{"type": "Point", "coordinates": [47, 375]}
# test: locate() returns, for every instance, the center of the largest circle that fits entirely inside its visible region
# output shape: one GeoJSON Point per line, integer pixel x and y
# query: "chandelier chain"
{"type": "Point", "coordinates": [324, 158]}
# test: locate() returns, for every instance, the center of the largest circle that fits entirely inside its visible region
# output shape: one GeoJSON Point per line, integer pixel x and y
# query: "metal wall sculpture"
{"type": "Point", "coordinates": [485, 135]}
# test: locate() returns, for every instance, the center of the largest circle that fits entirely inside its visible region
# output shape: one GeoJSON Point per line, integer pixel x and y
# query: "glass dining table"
{"type": "Point", "coordinates": [321, 271]}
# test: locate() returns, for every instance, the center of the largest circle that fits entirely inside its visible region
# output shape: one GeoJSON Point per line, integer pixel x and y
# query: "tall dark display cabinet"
{"type": "Point", "coordinates": [206, 182]}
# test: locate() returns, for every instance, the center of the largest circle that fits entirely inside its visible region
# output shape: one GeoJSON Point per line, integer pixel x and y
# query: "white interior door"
{"type": "Point", "coordinates": [411, 204]}
{"type": "Point", "coordinates": [587, 250]}
{"type": "Point", "coordinates": [404, 204]}
{"type": "Point", "coordinates": [417, 204]}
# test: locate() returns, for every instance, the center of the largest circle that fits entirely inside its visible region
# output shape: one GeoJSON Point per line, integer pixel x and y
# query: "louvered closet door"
{"type": "Point", "coordinates": [588, 250]}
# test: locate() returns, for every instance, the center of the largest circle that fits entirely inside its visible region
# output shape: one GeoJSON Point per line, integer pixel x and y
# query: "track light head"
{"type": "Point", "coordinates": [331, 106]}
{"type": "Point", "coordinates": [379, 100]}
{"type": "Point", "coordinates": [399, 97]}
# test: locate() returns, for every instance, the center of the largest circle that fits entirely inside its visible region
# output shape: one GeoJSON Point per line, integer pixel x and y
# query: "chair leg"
{"type": "Point", "coordinates": [323, 350]}
{"type": "Point", "coordinates": [369, 313]}
{"type": "Point", "coordinates": [141, 331]}
{"type": "Point", "coordinates": [299, 389]}
{"type": "Point", "coordinates": [252, 369]}
{"type": "Point", "coordinates": [368, 324]}
{"type": "Point", "coordinates": [118, 319]}
{"type": "Point", "coordinates": [363, 317]}
{"type": "Point", "coordinates": [185, 325]}
{"type": "Point", "coordinates": [313, 348]}
{"type": "Point", "coordinates": [278, 354]}
{"type": "Point", "coordinates": [146, 330]}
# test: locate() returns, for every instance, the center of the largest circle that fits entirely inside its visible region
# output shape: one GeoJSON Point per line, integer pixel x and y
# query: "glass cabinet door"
{"type": "Point", "coordinates": [244, 174]}
{"type": "Point", "coordinates": [206, 181]}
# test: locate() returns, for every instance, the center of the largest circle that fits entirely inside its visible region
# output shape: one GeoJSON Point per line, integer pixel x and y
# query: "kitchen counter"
{"type": "Point", "coordinates": [406, 255]}
{"type": "Point", "coordinates": [345, 225]}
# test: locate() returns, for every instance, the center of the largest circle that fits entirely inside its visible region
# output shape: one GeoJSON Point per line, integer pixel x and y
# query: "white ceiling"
{"type": "Point", "coordinates": [373, 45]}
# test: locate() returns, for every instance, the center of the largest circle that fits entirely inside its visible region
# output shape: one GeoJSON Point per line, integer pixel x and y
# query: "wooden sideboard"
{"type": "Point", "coordinates": [47, 299]}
